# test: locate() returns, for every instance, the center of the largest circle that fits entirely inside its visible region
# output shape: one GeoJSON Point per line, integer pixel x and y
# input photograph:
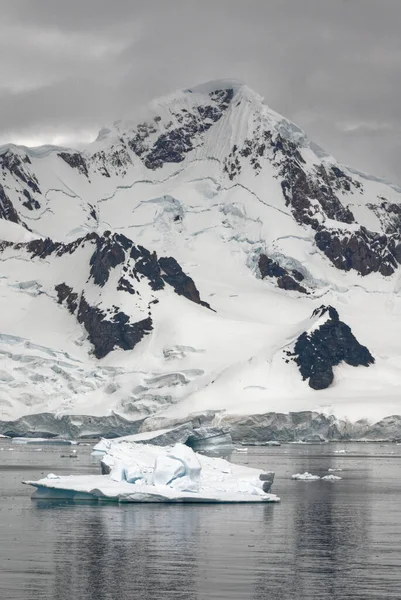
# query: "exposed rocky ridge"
{"type": "Point", "coordinates": [363, 250]}
{"type": "Point", "coordinates": [7, 210]}
{"type": "Point", "coordinates": [107, 325]}
{"type": "Point", "coordinates": [327, 344]}
{"type": "Point", "coordinates": [17, 167]}
{"type": "Point", "coordinates": [155, 148]}
{"type": "Point", "coordinates": [76, 161]}
{"type": "Point", "coordinates": [106, 334]}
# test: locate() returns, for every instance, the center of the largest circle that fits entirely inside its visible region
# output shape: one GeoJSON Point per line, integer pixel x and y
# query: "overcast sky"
{"type": "Point", "coordinates": [333, 66]}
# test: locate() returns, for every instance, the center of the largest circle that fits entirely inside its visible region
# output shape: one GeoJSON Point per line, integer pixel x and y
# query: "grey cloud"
{"type": "Point", "coordinates": [327, 64]}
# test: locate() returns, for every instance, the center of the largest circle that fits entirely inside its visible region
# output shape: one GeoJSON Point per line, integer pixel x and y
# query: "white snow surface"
{"type": "Point", "coordinates": [194, 359]}
{"type": "Point", "coordinates": [146, 473]}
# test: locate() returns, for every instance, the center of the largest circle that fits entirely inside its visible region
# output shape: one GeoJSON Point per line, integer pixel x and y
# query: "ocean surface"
{"type": "Point", "coordinates": [324, 541]}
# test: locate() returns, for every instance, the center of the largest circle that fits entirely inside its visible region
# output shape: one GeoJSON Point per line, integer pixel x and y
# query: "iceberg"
{"type": "Point", "coordinates": [331, 478]}
{"type": "Point", "coordinates": [148, 473]}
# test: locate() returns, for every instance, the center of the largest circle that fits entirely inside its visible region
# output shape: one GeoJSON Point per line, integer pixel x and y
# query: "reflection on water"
{"type": "Point", "coordinates": [325, 541]}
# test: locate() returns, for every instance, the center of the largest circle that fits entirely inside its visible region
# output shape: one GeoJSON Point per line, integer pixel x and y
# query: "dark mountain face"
{"type": "Point", "coordinates": [329, 344]}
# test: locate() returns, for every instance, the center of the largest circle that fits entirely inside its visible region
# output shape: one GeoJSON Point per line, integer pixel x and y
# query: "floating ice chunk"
{"type": "Point", "coordinates": [331, 478]}
{"type": "Point", "coordinates": [305, 476]}
{"type": "Point", "coordinates": [343, 451]}
{"type": "Point", "coordinates": [334, 470]}
{"type": "Point", "coordinates": [52, 476]}
{"type": "Point", "coordinates": [101, 447]}
{"type": "Point", "coordinates": [167, 469]}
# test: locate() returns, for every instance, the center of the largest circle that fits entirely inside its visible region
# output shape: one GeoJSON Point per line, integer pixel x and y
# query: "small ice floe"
{"type": "Point", "coordinates": [305, 476]}
{"type": "Point", "coordinates": [53, 476]}
{"type": "Point", "coordinates": [334, 470]}
{"type": "Point", "coordinates": [241, 449]}
{"type": "Point", "coordinates": [38, 449]}
{"type": "Point", "coordinates": [342, 451]}
{"type": "Point", "coordinates": [331, 478]}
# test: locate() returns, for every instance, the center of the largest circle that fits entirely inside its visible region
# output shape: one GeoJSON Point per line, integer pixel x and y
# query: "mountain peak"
{"type": "Point", "coordinates": [208, 185]}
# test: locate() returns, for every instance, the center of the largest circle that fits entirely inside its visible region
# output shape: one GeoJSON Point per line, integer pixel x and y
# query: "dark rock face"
{"type": "Point", "coordinates": [173, 145]}
{"type": "Point", "coordinates": [363, 250]}
{"type": "Point", "coordinates": [76, 161]}
{"type": "Point", "coordinates": [17, 168]}
{"type": "Point", "coordinates": [108, 254]}
{"type": "Point", "coordinates": [7, 210]}
{"type": "Point", "coordinates": [389, 215]}
{"type": "Point", "coordinates": [147, 265]}
{"type": "Point", "coordinates": [318, 352]}
{"type": "Point", "coordinates": [30, 202]}
{"type": "Point", "coordinates": [66, 294]}
{"type": "Point", "coordinates": [301, 189]}
{"type": "Point", "coordinates": [182, 284]}
{"type": "Point", "coordinates": [44, 248]}
{"type": "Point", "coordinates": [117, 159]}
{"type": "Point", "coordinates": [286, 280]}
{"type": "Point", "coordinates": [107, 334]}
{"type": "Point", "coordinates": [110, 327]}
{"type": "Point", "coordinates": [312, 197]}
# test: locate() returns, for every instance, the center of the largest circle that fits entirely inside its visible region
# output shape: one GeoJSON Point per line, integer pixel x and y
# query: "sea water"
{"type": "Point", "coordinates": [324, 541]}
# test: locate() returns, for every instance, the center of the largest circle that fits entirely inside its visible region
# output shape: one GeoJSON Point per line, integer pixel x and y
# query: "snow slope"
{"type": "Point", "coordinates": [257, 221]}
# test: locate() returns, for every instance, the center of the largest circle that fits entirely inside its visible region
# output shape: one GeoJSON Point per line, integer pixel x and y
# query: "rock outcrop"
{"type": "Point", "coordinates": [328, 343]}
{"type": "Point", "coordinates": [286, 279]}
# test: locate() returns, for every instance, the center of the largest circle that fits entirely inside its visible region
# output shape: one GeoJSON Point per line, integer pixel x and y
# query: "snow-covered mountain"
{"type": "Point", "coordinates": [205, 256]}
